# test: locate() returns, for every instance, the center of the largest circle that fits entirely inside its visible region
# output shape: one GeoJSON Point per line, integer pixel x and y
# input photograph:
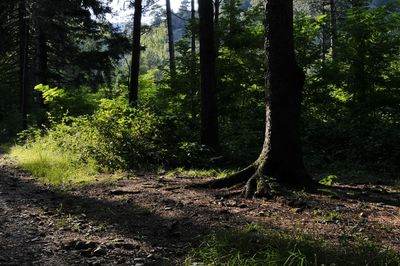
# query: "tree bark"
{"type": "Point", "coordinates": [41, 69]}
{"type": "Point", "coordinates": [193, 37]}
{"type": "Point", "coordinates": [134, 71]}
{"type": "Point", "coordinates": [23, 61]}
{"type": "Point", "coordinates": [41, 56]}
{"type": "Point", "coordinates": [217, 4]}
{"type": "Point", "coordinates": [194, 81]}
{"type": "Point", "coordinates": [334, 34]}
{"type": "Point", "coordinates": [326, 37]}
{"type": "Point", "coordinates": [281, 157]}
{"type": "Point", "coordinates": [209, 118]}
{"type": "Point", "coordinates": [232, 16]}
{"type": "Point", "coordinates": [171, 48]}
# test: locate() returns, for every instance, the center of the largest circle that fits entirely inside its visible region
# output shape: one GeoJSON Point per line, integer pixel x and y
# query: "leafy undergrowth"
{"type": "Point", "coordinates": [255, 245]}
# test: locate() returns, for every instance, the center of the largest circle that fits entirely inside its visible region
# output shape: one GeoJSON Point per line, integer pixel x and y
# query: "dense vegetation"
{"type": "Point", "coordinates": [350, 109]}
{"type": "Point", "coordinates": [82, 98]}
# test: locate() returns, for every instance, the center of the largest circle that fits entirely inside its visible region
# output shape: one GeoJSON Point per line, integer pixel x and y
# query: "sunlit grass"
{"type": "Point", "coordinates": [213, 172]}
{"type": "Point", "coordinates": [255, 245]}
{"type": "Point", "coordinates": [54, 166]}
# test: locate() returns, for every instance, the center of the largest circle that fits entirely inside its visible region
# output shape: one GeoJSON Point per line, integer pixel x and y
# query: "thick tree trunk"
{"type": "Point", "coordinates": [134, 72]}
{"type": "Point", "coordinates": [23, 61]}
{"type": "Point", "coordinates": [209, 119]}
{"type": "Point", "coordinates": [217, 4]}
{"type": "Point", "coordinates": [281, 157]}
{"type": "Point", "coordinates": [171, 48]}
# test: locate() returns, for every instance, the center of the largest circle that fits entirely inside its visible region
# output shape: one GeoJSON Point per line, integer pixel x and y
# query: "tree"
{"type": "Point", "coordinates": [134, 73]}
{"type": "Point", "coordinates": [209, 118]}
{"type": "Point", "coordinates": [171, 48]}
{"type": "Point", "coordinates": [281, 157]}
{"type": "Point", "coordinates": [217, 4]}
{"type": "Point", "coordinates": [23, 60]}
{"type": "Point", "coordinates": [334, 34]}
{"type": "Point", "coordinates": [193, 54]}
{"type": "Point", "coordinates": [193, 33]}
{"type": "Point", "coordinates": [9, 69]}
{"type": "Point", "coordinates": [184, 7]}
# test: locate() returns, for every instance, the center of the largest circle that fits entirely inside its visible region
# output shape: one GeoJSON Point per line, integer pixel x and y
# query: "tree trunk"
{"type": "Point", "coordinates": [171, 48]}
{"type": "Point", "coordinates": [217, 4]}
{"type": "Point", "coordinates": [326, 38]}
{"type": "Point", "coordinates": [281, 157]}
{"type": "Point", "coordinates": [209, 119]}
{"type": "Point", "coordinates": [193, 37]}
{"type": "Point", "coordinates": [194, 81]}
{"type": "Point", "coordinates": [40, 62]}
{"type": "Point", "coordinates": [334, 34]}
{"type": "Point", "coordinates": [23, 61]}
{"type": "Point", "coordinates": [41, 56]}
{"type": "Point", "coordinates": [232, 16]}
{"type": "Point", "coordinates": [41, 70]}
{"type": "Point", "coordinates": [134, 73]}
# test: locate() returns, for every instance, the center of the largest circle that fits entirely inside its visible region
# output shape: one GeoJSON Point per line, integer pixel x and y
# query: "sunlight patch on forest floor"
{"type": "Point", "coordinates": [58, 168]}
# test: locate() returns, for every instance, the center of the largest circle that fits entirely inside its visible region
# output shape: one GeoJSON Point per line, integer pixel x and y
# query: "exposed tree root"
{"type": "Point", "coordinates": [256, 184]}
{"type": "Point", "coordinates": [260, 186]}
{"type": "Point", "coordinates": [235, 179]}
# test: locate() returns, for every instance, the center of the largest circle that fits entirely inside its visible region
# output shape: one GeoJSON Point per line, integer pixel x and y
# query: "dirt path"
{"type": "Point", "coordinates": [155, 220]}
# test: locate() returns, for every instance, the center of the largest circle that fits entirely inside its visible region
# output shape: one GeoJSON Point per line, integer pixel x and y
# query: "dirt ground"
{"type": "Point", "coordinates": [156, 220]}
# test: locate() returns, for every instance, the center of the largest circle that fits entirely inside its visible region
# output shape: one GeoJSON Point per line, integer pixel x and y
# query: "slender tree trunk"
{"type": "Point", "coordinates": [193, 39]}
{"type": "Point", "coordinates": [171, 48]}
{"type": "Point", "coordinates": [41, 70]}
{"type": "Point", "coordinates": [325, 42]}
{"type": "Point", "coordinates": [134, 73]}
{"type": "Point", "coordinates": [232, 17]}
{"type": "Point", "coordinates": [194, 81]}
{"type": "Point", "coordinates": [23, 61]}
{"type": "Point", "coordinates": [334, 35]}
{"type": "Point", "coordinates": [41, 56]}
{"type": "Point", "coordinates": [209, 119]}
{"type": "Point", "coordinates": [281, 157]}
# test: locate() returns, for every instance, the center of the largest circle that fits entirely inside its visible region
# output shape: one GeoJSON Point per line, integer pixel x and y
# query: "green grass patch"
{"type": "Point", "coordinates": [214, 172]}
{"type": "Point", "coordinates": [255, 245]}
{"type": "Point", "coordinates": [54, 166]}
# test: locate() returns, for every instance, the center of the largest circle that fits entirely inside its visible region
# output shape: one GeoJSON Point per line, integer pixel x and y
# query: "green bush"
{"type": "Point", "coordinates": [116, 136]}
{"type": "Point", "coordinates": [61, 102]}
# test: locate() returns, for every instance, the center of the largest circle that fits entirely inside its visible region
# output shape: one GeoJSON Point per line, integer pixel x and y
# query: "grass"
{"type": "Point", "coordinates": [255, 245]}
{"type": "Point", "coordinates": [54, 166]}
{"type": "Point", "coordinates": [214, 172]}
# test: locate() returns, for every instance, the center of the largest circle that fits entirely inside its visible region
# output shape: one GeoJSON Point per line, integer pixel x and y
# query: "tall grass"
{"type": "Point", "coordinates": [53, 165]}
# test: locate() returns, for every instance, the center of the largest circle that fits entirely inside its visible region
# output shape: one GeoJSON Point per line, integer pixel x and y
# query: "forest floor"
{"type": "Point", "coordinates": [158, 219]}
